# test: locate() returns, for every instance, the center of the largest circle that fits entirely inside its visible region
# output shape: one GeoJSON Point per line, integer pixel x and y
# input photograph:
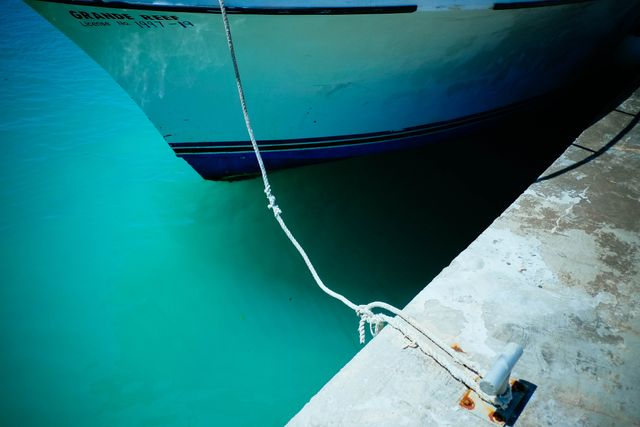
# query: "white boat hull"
{"type": "Point", "coordinates": [329, 85]}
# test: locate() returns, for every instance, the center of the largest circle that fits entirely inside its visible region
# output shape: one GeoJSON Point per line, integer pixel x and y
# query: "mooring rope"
{"type": "Point", "coordinates": [465, 371]}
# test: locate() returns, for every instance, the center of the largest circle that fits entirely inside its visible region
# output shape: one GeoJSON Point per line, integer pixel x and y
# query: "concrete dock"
{"type": "Point", "coordinates": [558, 273]}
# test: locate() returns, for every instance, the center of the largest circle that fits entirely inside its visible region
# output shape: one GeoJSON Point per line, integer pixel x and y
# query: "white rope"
{"type": "Point", "coordinates": [465, 371]}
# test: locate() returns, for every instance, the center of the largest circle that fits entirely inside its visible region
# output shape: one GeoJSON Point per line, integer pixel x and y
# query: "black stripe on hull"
{"type": "Point", "coordinates": [355, 10]}
{"type": "Point", "coordinates": [534, 4]}
{"type": "Point", "coordinates": [185, 148]}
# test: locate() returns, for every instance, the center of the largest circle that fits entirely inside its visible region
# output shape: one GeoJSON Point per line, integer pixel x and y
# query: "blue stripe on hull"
{"type": "Point", "coordinates": [534, 4]}
{"type": "Point", "coordinates": [239, 165]}
{"type": "Point", "coordinates": [270, 10]}
{"type": "Point", "coordinates": [232, 165]}
{"type": "Point", "coordinates": [234, 160]}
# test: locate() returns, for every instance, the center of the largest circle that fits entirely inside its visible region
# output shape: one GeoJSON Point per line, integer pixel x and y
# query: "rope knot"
{"type": "Point", "coordinates": [272, 205]}
{"type": "Point", "coordinates": [376, 322]}
{"type": "Point", "coordinates": [272, 201]}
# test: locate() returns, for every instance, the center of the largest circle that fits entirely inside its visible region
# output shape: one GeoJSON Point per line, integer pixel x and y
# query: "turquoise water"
{"type": "Point", "coordinates": [135, 293]}
{"type": "Point", "coordinates": [132, 292]}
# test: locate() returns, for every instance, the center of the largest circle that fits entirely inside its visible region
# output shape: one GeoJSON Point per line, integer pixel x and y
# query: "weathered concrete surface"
{"type": "Point", "coordinates": [558, 273]}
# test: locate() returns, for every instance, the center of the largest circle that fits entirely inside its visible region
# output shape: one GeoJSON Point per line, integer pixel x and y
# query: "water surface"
{"type": "Point", "coordinates": [132, 292]}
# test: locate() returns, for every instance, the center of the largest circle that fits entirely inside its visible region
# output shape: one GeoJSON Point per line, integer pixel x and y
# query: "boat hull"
{"type": "Point", "coordinates": [322, 86]}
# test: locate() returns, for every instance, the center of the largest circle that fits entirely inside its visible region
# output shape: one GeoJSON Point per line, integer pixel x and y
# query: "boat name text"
{"type": "Point", "coordinates": [121, 16]}
{"type": "Point", "coordinates": [99, 19]}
